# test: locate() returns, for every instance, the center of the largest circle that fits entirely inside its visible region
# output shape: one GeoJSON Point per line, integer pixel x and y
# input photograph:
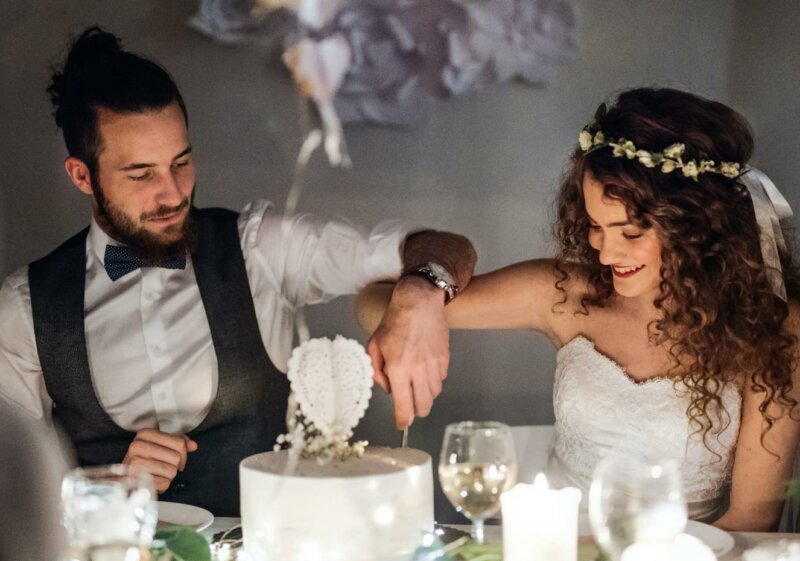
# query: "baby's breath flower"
{"type": "Point", "coordinates": [599, 138]}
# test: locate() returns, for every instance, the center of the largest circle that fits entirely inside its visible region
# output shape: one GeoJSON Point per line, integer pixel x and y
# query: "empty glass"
{"type": "Point", "coordinates": [110, 512]}
{"type": "Point", "coordinates": [634, 500]}
{"type": "Point", "coordinates": [476, 466]}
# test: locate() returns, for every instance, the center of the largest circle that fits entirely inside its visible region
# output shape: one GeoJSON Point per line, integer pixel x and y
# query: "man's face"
{"type": "Point", "coordinates": [145, 180]}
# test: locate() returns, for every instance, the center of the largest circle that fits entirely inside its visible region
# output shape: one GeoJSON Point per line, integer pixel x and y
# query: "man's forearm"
{"type": "Point", "coordinates": [452, 251]}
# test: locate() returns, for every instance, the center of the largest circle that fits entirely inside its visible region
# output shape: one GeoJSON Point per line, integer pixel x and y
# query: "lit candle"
{"type": "Point", "coordinates": [539, 523]}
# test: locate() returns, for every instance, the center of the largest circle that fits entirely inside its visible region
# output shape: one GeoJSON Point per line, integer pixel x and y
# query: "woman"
{"type": "Point", "coordinates": [676, 323]}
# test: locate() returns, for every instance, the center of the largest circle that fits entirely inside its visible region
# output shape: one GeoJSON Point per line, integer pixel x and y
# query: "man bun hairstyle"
{"type": "Point", "coordinates": [99, 73]}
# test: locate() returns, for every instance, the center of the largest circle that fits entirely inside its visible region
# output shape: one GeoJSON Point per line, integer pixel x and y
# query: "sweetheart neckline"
{"type": "Point", "coordinates": [619, 368]}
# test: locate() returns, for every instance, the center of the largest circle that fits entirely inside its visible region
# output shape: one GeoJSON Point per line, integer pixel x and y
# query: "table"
{"type": "Point", "coordinates": [744, 540]}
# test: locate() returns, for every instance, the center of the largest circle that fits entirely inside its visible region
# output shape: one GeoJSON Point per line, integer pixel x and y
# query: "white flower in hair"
{"type": "Point", "coordinates": [690, 169]}
{"type": "Point", "coordinates": [706, 166]}
{"type": "Point", "coordinates": [623, 148]}
{"type": "Point", "coordinates": [629, 149]}
{"type": "Point", "coordinates": [645, 158]}
{"type": "Point", "coordinates": [674, 151]}
{"type": "Point", "coordinates": [585, 140]}
{"type": "Point", "coordinates": [591, 138]}
{"type": "Point", "coordinates": [730, 169]}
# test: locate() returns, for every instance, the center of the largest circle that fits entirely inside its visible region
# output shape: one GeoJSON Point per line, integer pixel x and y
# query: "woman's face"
{"type": "Point", "coordinates": [633, 253]}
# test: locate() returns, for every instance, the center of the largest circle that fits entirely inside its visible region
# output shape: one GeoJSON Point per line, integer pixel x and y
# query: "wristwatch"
{"type": "Point", "coordinates": [438, 276]}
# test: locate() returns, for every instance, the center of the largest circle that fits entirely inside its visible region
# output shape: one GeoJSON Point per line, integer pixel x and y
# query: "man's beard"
{"type": "Point", "coordinates": [149, 247]}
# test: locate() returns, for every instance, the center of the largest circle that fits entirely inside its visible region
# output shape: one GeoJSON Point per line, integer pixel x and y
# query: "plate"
{"type": "Point", "coordinates": [720, 541]}
{"type": "Point", "coordinates": [177, 514]}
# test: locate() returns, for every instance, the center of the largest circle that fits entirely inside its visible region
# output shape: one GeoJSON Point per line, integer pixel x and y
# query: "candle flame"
{"type": "Point", "coordinates": [540, 482]}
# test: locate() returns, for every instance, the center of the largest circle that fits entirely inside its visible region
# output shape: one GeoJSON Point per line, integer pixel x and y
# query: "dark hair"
{"type": "Point", "coordinates": [721, 321]}
{"type": "Point", "coordinates": [98, 73]}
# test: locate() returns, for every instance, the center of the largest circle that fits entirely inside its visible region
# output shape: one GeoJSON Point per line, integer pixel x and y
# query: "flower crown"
{"type": "Point", "coordinates": [591, 138]}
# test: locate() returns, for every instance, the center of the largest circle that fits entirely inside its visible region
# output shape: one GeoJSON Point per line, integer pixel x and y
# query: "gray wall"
{"type": "Point", "coordinates": [486, 164]}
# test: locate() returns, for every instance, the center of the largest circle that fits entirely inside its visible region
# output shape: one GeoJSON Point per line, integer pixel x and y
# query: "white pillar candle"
{"type": "Point", "coordinates": [539, 523]}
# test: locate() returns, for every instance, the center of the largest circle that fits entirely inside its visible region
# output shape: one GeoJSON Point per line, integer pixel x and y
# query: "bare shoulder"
{"type": "Point", "coordinates": [792, 325]}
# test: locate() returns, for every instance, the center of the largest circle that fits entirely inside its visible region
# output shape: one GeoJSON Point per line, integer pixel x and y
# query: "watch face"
{"type": "Point", "coordinates": [442, 275]}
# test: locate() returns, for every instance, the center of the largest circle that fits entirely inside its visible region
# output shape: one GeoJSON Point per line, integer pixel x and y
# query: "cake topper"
{"type": "Point", "coordinates": [332, 384]}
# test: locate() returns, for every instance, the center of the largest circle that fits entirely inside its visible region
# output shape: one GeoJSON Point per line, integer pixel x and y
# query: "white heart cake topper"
{"type": "Point", "coordinates": [332, 383]}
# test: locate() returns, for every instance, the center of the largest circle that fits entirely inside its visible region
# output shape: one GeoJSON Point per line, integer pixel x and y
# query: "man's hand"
{"type": "Point", "coordinates": [160, 454]}
{"type": "Point", "coordinates": [410, 348]}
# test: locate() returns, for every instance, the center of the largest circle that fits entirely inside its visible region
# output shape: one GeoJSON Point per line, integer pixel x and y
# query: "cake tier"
{"type": "Point", "coordinates": [370, 508]}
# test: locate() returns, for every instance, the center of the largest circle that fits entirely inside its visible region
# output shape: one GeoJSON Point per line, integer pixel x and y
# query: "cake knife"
{"type": "Point", "coordinates": [404, 443]}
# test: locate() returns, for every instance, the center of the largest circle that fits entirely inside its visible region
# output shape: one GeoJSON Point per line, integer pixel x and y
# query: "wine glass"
{"type": "Point", "coordinates": [110, 512]}
{"type": "Point", "coordinates": [476, 466]}
{"type": "Point", "coordinates": [632, 500]}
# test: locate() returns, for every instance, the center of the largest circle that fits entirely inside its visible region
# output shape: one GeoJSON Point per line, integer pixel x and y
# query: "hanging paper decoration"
{"type": "Point", "coordinates": [387, 62]}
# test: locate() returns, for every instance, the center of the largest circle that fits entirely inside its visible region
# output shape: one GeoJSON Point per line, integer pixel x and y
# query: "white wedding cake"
{"type": "Point", "coordinates": [325, 499]}
{"type": "Point", "coordinates": [376, 507]}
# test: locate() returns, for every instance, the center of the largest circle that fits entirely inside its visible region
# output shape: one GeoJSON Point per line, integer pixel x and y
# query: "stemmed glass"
{"type": "Point", "coordinates": [634, 500]}
{"type": "Point", "coordinates": [476, 466]}
{"type": "Point", "coordinates": [110, 512]}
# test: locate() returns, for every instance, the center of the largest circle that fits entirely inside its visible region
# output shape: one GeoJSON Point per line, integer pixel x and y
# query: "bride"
{"type": "Point", "coordinates": [672, 302]}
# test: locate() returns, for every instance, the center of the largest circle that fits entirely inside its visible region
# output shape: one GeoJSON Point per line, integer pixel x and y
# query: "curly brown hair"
{"type": "Point", "coordinates": [720, 320]}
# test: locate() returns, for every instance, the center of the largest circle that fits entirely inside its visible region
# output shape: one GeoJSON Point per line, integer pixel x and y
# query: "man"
{"type": "Point", "coordinates": [159, 335]}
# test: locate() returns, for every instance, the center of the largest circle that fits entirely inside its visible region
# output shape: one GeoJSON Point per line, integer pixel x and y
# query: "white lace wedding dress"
{"type": "Point", "coordinates": [600, 410]}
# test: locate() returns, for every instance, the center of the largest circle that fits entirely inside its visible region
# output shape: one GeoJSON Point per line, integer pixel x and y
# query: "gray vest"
{"type": "Point", "coordinates": [249, 409]}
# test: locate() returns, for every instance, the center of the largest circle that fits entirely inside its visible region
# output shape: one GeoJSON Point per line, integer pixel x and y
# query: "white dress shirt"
{"type": "Point", "coordinates": [148, 340]}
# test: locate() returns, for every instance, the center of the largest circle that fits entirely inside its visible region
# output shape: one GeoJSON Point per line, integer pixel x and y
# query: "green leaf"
{"type": "Point", "coordinates": [601, 112]}
{"type": "Point", "coordinates": [480, 552]}
{"type": "Point", "coordinates": [182, 543]}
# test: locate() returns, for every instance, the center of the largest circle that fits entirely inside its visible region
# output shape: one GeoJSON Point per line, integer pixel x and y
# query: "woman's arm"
{"type": "Point", "coordinates": [520, 296]}
{"type": "Point", "coordinates": [759, 484]}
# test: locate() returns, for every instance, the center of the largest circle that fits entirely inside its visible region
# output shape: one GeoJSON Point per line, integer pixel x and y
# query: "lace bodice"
{"type": "Point", "coordinates": [600, 410]}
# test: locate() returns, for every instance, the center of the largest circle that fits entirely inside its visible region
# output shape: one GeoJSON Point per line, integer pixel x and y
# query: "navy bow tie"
{"type": "Point", "coordinates": [121, 260]}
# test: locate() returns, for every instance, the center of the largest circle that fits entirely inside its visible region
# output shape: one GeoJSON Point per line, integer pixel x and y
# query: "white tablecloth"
{"type": "Point", "coordinates": [744, 540]}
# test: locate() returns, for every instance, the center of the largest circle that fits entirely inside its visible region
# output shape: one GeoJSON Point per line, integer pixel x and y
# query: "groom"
{"type": "Point", "coordinates": [159, 335]}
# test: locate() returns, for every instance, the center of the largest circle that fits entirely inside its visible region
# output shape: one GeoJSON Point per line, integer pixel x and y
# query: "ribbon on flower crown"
{"type": "Point", "coordinates": [770, 208]}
